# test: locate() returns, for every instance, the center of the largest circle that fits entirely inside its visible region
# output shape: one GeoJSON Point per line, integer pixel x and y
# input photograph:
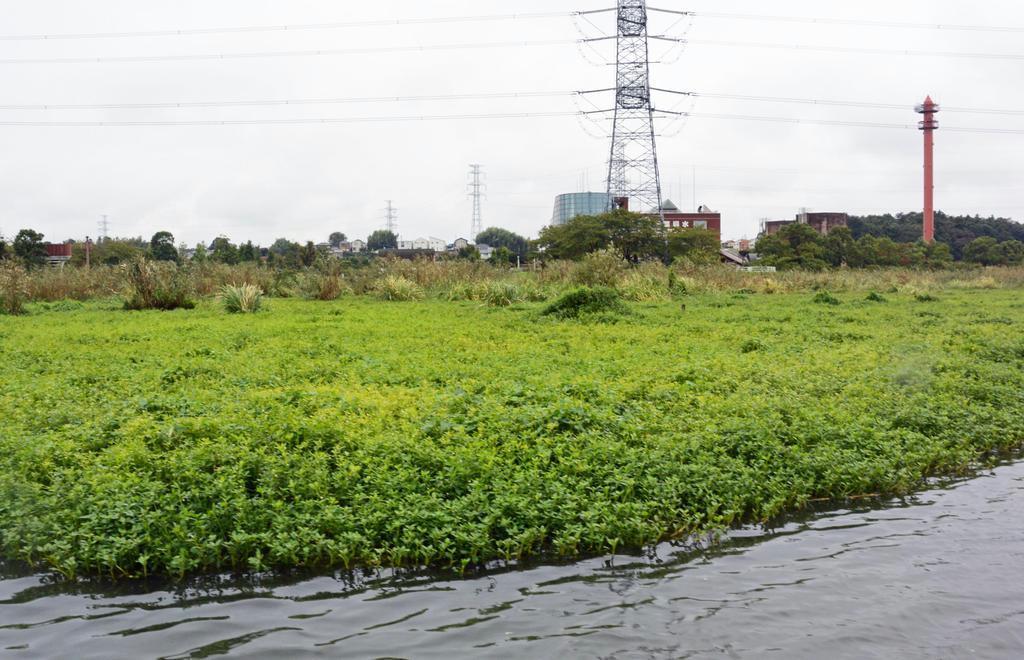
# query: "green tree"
{"type": "Point", "coordinates": [633, 236]}
{"type": "Point", "coordinates": [985, 251]}
{"type": "Point", "coordinates": [575, 239]}
{"type": "Point", "coordinates": [794, 246]}
{"type": "Point", "coordinates": [838, 247]}
{"type": "Point", "coordinates": [469, 253]}
{"type": "Point", "coordinates": [502, 257]}
{"type": "Point", "coordinates": [201, 256]}
{"type": "Point", "coordinates": [248, 252]}
{"type": "Point", "coordinates": [382, 239]}
{"type": "Point", "coordinates": [1013, 252]}
{"type": "Point", "coordinates": [29, 247]}
{"type": "Point", "coordinates": [161, 246]}
{"type": "Point", "coordinates": [697, 246]}
{"type": "Point", "coordinates": [503, 238]}
{"type": "Point", "coordinates": [337, 238]}
{"type": "Point", "coordinates": [3, 249]}
{"type": "Point", "coordinates": [308, 254]}
{"type": "Point", "coordinates": [637, 237]}
{"type": "Point", "coordinates": [224, 251]}
{"type": "Point", "coordinates": [938, 255]}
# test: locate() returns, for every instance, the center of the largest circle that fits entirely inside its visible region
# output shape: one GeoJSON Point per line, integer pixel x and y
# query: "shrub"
{"type": "Point", "coordinates": [753, 345]}
{"type": "Point", "coordinates": [13, 289]}
{"type": "Point", "coordinates": [397, 289]}
{"type": "Point", "coordinates": [874, 296]}
{"type": "Point", "coordinates": [826, 298]}
{"type": "Point", "coordinates": [643, 288]}
{"type": "Point", "coordinates": [585, 300]}
{"type": "Point", "coordinates": [326, 286]}
{"type": "Point", "coordinates": [601, 269]}
{"type": "Point", "coordinates": [161, 286]}
{"type": "Point", "coordinates": [244, 299]}
{"type": "Point", "coordinates": [925, 297]}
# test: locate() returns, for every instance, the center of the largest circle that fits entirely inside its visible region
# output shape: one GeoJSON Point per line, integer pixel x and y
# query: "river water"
{"type": "Point", "coordinates": [937, 575]}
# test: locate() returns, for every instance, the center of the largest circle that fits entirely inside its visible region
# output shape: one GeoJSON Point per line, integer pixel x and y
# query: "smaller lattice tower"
{"type": "Point", "coordinates": [476, 191]}
{"type": "Point", "coordinates": [104, 229]}
{"type": "Point", "coordinates": [391, 218]}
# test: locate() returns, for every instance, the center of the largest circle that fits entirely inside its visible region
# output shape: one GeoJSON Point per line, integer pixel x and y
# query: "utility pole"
{"type": "Point", "coordinates": [476, 188]}
{"type": "Point", "coordinates": [391, 218]}
{"type": "Point", "coordinates": [929, 125]}
{"type": "Point", "coordinates": [633, 172]}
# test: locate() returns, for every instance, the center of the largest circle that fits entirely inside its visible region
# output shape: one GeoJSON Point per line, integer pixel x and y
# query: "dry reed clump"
{"type": "Point", "coordinates": [398, 289]}
{"type": "Point", "coordinates": [438, 275]}
{"type": "Point", "coordinates": [14, 291]}
{"type": "Point", "coordinates": [54, 284]}
{"type": "Point", "coordinates": [465, 280]}
{"type": "Point", "coordinates": [324, 286]}
{"type": "Point", "coordinates": [986, 282]}
{"type": "Point", "coordinates": [161, 286]}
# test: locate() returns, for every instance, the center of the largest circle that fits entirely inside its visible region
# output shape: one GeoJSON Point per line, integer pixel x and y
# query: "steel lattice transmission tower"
{"type": "Point", "coordinates": [391, 218]}
{"type": "Point", "coordinates": [633, 166]}
{"type": "Point", "coordinates": [104, 226]}
{"type": "Point", "coordinates": [476, 188]}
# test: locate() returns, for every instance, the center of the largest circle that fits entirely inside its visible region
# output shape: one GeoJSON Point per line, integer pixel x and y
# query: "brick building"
{"type": "Point", "coordinates": [704, 218]}
{"type": "Point", "coordinates": [823, 223]}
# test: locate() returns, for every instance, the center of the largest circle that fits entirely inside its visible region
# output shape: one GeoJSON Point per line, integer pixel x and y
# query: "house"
{"type": "Point", "coordinates": [358, 246]}
{"type": "Point", "coordinates": [459, 244]}
{"type": "Point", "coordinates": [485, 251]}
{"type": "Point", "coordinates": [431, 244]}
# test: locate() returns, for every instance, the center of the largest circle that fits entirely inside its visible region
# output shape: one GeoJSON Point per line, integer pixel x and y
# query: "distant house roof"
{"type": "Point", "coordinates": [669, 205]}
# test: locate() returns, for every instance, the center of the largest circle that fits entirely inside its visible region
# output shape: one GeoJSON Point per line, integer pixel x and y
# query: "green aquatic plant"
{"type": "Point", "coordinates": [431, 433]}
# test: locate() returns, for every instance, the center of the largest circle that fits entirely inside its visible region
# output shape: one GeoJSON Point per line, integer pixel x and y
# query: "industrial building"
{"type": "Point", "coordinates": [704, 218]}
{"type": "Point", "coordinates": [571, 205]}
{"type": "Point", "coordinates": [823, 223]}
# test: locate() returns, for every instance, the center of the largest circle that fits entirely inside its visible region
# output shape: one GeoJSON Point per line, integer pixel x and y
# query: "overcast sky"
{"type": "Point", "coordinates": [262, 182]}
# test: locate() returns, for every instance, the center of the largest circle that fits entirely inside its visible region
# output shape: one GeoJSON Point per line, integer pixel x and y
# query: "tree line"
{"type": "Point", "coordinates": [799, 246]}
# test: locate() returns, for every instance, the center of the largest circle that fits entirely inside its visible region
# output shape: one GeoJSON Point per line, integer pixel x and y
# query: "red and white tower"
{"type": "Point", "coordinates": [929, 125]}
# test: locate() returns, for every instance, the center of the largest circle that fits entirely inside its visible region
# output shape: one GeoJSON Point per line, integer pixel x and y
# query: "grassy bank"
{"type": "Point", "coordinates": [359, 432]}
{"type": "Point", "coordinates": [476, 281]}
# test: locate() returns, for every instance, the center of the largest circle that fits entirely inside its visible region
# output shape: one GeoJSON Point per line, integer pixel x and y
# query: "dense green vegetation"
{"type": "Point", "coordinates": [955, 231]}
{"type": "Point", "coordinates": [362, 432]}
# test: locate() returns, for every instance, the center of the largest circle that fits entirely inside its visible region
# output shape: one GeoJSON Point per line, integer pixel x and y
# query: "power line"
{"type": "Point", "coordinates": [149, 59]}
{"type": "Point", "coordinates": [522, 115]}
{"type": "Point", "coordinates": [199, 57]}
{"type": "Point", "coordinates": [843, 104]}
{"type": "Point", "coordinates": [841, 49]}
{"type": "Point", "coordinates": [287, 102]}
{"type": "Point", "coordinates": [851, 22]}
{"type": "Point", "coordinates": [174, 105]}
{"type": "Point", "coordinates": [257, 122]}
{"type": "Point", "coordinates": [249, 29]}
{"type": "Point", "coordinates": [855, 124]}
{"type": "Point", "coordinates": [391, 22]}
